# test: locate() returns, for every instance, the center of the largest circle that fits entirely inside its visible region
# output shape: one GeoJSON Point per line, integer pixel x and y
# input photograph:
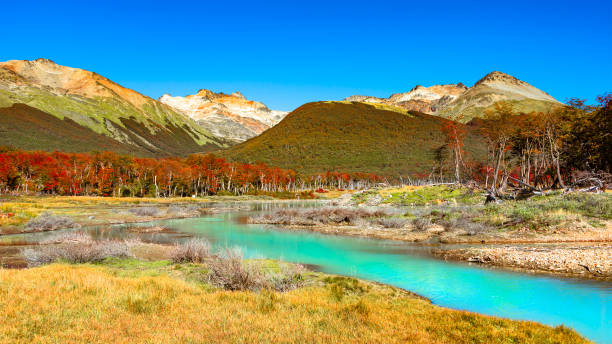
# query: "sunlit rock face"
{"type": "Point", "coordinates": [230, 116]}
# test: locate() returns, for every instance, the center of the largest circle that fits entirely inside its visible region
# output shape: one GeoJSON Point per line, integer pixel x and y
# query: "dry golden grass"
{"type": "Point", "coordinates": [405, 188]}
{"type": "Point", "coordinates": [95, 304]}
{"type": "Point", "coordinates": [330, 194]}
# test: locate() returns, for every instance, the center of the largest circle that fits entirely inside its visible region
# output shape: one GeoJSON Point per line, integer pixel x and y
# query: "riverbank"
{"type": "Point", "coordinates": [121, 300]}
{"type": "Point", "coordinates": [592, 260]}
{"type": "Point", "coordinates": [17, 212]}
{"type": "Point", "coordinates": [439, 215]}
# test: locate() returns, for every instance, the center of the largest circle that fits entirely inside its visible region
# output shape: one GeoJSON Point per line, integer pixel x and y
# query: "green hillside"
{"type": "Point", "coordinates": [351, 137]}
{"type": "Point", "coordinates": [47, 106]}
{"type": "Point", "coordinates": [25, 127]}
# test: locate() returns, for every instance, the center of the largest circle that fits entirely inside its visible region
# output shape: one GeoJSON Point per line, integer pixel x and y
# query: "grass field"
{"type": "Point", "coordinates": [127, 301]}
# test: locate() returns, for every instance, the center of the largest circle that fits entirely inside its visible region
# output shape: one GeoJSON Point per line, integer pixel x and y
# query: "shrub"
{"type": "Point", "coordinates": [463, 223]}
{"type": "Point", "coordinates": [68, 237]}
{"type": "Point", "coordinates": [288, 277]}
{"type": "Point", "coordinates": [94, 251]}
{"type": "Point", "coordinates": [324, 215]}
{"type": "Point", "coordinates": [391, 222]}
{"type": "Point", "coordinates": [421, 223]}
{"type": "Point", "coordinates": [193, 251]}
{"type": "Point", "coordinates": [48, 222]}
{"type": "Point", "coordinates": [595, 205]}
{"type": "Point", "coordinates": [182, 210]}
{"type": "Point", "coordinates": [145, 211]}
{"type": "Point", "coordinates": [230, 272]}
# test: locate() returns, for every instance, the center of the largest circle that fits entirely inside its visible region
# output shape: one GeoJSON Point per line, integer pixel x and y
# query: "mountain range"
{"type": "Point", "coordinates": [451, 100]}
{"type": "Point", "coordinates": [47, 106]}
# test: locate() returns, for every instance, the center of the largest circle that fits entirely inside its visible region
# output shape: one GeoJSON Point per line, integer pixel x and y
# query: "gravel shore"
{"type": "Point", "coordinates": [588, 260]}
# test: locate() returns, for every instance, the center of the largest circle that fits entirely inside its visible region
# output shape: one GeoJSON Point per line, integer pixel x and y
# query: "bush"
{"type": "Point", "coordinates": [145, 211]}
{"type": "Point", "coordinates": [421, 223]}
{"type": "Point", "coordinates": [182, 210]}
{"type": "Point", "coordinates": [193, 251]}
{"type": "Point", "coordinates": [94, 251]}
{"type": "Point", "coordinates": [288, 277]}
{"type": "Point", "coordinates": [391, 222]}
{"type": "Point", "coordinates": [455, 223]}
{"type": "Point", "coordinates": [68, 237]}
{"type": "Point", "coordinates": [49, 222]}
{"type": "Point", "coordinates": [231, 273]}
{"type": "Point", "coordinates": [326, 215]}
{"type": "Point", "coordinates": [594, 205]}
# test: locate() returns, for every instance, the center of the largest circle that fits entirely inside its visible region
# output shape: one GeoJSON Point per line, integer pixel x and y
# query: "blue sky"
{"type": "Point", "coordinates": [288, 53]}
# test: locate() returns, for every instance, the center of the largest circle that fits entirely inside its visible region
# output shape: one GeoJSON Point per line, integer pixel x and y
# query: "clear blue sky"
{"type": "Point", "coordinates": [288, 53]}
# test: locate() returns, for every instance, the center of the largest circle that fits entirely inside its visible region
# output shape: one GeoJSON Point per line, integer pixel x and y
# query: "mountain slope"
{"type": "Point", "coordinates": [494, 87]}
{"type": "Point", "coordinates": [451, 100]}
{"type": "Point", "coordinates": [230, 116]}
{"type": "Point", "coordinates": [351, 137]}
{"type": "Point", "coordinates": [138, 123]}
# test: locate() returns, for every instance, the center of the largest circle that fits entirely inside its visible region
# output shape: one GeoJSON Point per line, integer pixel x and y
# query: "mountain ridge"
{"type": "Point", "coordinates": [450, 100]}
{"type": "Point", "coordinates": [230, 116]}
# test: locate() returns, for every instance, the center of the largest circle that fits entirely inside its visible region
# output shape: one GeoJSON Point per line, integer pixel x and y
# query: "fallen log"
{"type": "Point", "coordinates": [525, 184]}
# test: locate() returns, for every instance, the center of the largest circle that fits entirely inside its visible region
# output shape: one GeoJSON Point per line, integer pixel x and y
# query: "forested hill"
{"type": "Point", "coordinates": [354, 137]}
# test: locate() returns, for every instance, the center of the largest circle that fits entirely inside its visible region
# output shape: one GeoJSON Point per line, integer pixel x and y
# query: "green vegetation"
{"type": "Point", "coordinates": [419, 196]}
{"type": "Point", "coordinates": [121, 300]}
{"type": "Point", "coordinates": [352, 137]}
{"type": "Point", "coordinates": [458, 207]}
{"type": "Point", "coordinates": [34, 118]}
{"type": "Point", "coordinates": [567, 211]}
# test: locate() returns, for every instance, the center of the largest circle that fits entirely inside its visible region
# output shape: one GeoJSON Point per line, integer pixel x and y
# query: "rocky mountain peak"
{"type": "Point", "coordinates": [205, 93]}
{"type": "Point", "coordinates": [231, 116]}
{"type": "Point", "coordinates": [237, 94]}
{"type": "Point", "coordinates": [499, 77]}
{"type": "Point", "coordinates": [45, 61]}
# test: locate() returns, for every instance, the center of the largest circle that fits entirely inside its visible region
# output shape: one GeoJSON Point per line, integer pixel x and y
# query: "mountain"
{"type": "Point", "coordinates": [352, 137]}
{"type": "Point", "coordinates": [423, 99]}
{"type": "Point", "coordinates": [230, 116]}
{"type": "Point", "coordinates": [451, 100]}
{"type": "Point", "coordinates": [50, 107]}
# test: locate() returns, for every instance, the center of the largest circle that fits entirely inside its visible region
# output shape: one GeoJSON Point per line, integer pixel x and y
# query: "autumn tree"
{"type": "Point", "coordinates": [497, 128]}
{"type": "Point", "coordinates": [455, 134]}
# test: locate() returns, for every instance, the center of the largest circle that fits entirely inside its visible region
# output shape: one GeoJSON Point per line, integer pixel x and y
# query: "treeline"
{"type": "Point", "coordinates": [111, 174]}
{"type": "Point", "coordinates": [564, 147]}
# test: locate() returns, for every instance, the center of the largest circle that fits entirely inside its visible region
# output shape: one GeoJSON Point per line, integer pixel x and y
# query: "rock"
{"type": "Point", "coordinates": [435, 229]}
